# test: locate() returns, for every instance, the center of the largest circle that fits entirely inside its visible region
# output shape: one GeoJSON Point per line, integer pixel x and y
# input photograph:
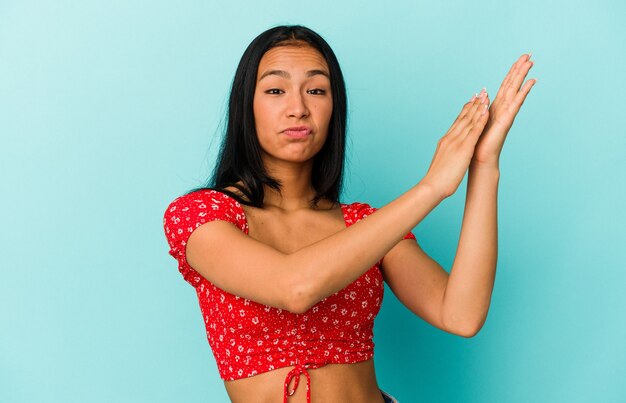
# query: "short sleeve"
{"type": "Point", "coordinates": [365, 209]}
{"type": "Point", "coordinates": [190, 211]}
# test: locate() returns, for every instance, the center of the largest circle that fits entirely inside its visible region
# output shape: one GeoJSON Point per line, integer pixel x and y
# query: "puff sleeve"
{"type": "Point", "coordinates": [189, 212]}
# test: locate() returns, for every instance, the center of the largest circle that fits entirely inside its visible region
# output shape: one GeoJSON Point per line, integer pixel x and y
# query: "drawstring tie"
{"type": "Point", "coordinates": [298, 370]}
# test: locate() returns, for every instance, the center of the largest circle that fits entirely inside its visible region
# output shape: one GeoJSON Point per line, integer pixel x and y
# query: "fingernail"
{"type": "Point", "coordinates": [484, 111]}
{"type": "Point", "coordinates": [483, 94]}
{"type": "Point", "coordinates": [530, 55]}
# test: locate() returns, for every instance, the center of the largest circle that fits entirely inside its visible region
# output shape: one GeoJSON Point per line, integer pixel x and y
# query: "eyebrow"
{"type": "Point", "coordinates": [284, 74]}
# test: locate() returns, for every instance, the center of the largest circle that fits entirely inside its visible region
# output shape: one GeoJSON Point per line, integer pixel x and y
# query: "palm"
{"type": "Point", "coordinates": [503, 110]}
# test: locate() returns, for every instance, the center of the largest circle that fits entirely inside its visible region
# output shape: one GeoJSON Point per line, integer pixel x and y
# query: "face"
{"type": "Point", "coordinates": [292, 103]}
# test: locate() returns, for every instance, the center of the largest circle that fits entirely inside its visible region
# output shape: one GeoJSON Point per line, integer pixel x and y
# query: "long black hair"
{"type": "Point", "coordinates": [240, 158]}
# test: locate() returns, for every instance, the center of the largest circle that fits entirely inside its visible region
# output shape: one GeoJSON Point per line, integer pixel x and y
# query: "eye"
{"type": "Point", "coordinates": [317, 91]}
{"type": "Point", "coordinates": [274, 91]}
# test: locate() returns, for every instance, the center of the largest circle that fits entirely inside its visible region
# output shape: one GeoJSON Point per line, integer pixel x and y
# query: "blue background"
{"type": "Point", "coordinates": [110, 109]}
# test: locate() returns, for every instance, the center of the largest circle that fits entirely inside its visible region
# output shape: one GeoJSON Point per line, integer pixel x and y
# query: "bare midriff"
{"type": "Point", "coordinates": [330, 383]}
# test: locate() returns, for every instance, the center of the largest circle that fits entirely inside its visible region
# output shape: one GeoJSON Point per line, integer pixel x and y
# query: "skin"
{"type": "Point", "coordinates": [330, 256]}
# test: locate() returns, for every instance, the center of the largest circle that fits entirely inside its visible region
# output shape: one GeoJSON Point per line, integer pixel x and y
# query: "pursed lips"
{"type": "Point", "coordinates": [297, 131]}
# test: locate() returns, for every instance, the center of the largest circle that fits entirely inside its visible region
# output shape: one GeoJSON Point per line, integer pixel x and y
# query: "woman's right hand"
{"type": "Point", "coordinates": [455, 149]}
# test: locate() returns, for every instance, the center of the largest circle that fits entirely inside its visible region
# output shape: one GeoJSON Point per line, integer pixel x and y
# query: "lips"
{"type": "Point", "coordinates": [297, 131]}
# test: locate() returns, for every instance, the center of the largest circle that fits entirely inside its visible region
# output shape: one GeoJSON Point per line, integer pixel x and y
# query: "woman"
{"type": "Point", "coordinates": [288, 278]}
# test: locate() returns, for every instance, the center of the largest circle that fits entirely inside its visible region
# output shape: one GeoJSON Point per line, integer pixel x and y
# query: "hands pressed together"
{"type": "Point", "coordinates": [478, 133]}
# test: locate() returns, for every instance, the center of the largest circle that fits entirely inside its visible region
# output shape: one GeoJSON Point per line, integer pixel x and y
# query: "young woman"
{"type": "Point", "coordinates": [289, 279]}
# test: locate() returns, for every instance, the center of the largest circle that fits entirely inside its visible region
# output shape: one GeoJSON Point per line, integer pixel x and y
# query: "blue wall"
{"type": "Point", "coordinates": [110, 109]}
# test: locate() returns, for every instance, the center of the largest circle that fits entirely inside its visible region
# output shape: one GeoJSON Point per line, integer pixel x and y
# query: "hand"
{"type": "Point", "coordinates": [456, 148]}
{"type": "Point", "coordinates": [502, 112]}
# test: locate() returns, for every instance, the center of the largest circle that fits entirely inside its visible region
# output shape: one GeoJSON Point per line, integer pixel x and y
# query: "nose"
{"type": "Point", "coordinates": [297, 106]}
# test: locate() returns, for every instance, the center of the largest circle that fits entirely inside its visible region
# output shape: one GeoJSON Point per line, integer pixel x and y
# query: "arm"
{"type": "Point", "coordinates": [459, 302]}
{"type": "Point", "coordinates": [456, 303]}
{"type": "Point", "coordinates": [225, 256]}
{"type": "Point", "coordinates": [297, 281]}
{"type": "Point", "coordinates": [468, 293]}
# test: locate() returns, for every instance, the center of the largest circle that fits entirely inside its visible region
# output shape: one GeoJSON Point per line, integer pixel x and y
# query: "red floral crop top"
{"type": "Point", "coordinates": [248, 338]}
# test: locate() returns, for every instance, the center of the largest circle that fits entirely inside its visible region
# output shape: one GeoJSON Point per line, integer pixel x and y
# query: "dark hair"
{"type": "Point", "coordinates": [240, 158]}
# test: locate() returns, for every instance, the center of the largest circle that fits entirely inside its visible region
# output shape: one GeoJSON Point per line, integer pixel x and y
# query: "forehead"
{"type": "Point", "coordinates": [292, 58]}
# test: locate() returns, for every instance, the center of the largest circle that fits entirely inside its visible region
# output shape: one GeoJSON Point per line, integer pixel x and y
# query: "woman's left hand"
{"type": "Point", "coordinates": [502, 112]}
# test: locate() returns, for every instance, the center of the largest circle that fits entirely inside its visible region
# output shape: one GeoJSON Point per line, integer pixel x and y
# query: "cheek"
{"type": "Point", "coordinates": [261, 115]}
{"type": "Point", "coordinates": [322, 109]}
{"type": "Point", "coordinates": [325, 112]}
{"type": "Point", "coordinates": [263, 124]}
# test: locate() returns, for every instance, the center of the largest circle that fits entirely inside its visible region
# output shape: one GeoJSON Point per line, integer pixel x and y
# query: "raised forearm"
{"type": "Point", "coordinates": [470, 284]}
{"type": "Point", "coordinates": [330, 264]}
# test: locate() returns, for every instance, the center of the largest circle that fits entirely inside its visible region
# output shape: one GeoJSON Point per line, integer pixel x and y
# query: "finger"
{"type": "Point", "coordinates": [506, 79]}
{"type": "Point", "coordinates": [520, 97]}
{"type": "Point", "coordinates": [469, 117]}
{"type": "Point", "coordinates": [516, 68]}
{"type": "Point", "coordinates": [467, 106]}
{"type": "Point", "coordinates": [464, 112]}
{"type": "Point", "coordinates": [476, 98]}
{"type": "Point", "coordinates": [512, 71]}
{"type": "Point", "coordinates": [477, 128]}
{"type": "Point", "coordinates": [474, 133]}
{"type": "Point", "coordinates": [520, 75]}
{"type": "Point", "coordinates": [476, 117]}
{"type": "Point", "coordinates": [486, 103]}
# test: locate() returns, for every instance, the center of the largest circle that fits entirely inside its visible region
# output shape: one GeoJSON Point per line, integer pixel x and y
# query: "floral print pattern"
{"type": "Point", "coordinates": [248, 338]}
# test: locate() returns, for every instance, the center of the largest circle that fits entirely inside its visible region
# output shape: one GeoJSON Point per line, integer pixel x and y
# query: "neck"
{"type": "Point", "coordinates": [296, 188]}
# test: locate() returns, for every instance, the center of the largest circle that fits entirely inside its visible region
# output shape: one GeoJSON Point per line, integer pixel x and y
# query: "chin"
{"type": "Point", "coordinates": [294, 155]}
{"type": "Point", "coordinates": [301, 159]}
